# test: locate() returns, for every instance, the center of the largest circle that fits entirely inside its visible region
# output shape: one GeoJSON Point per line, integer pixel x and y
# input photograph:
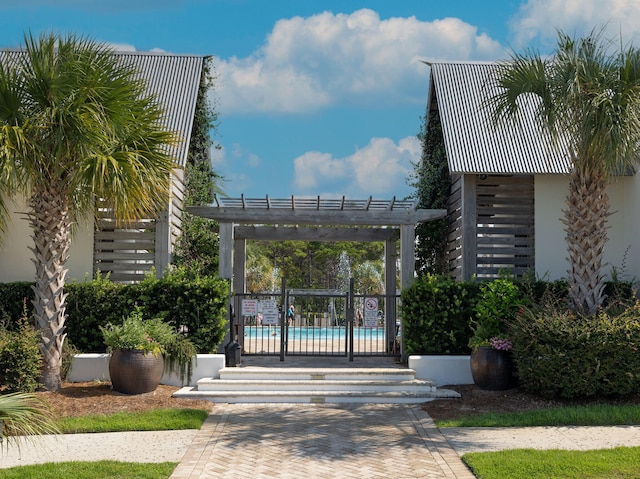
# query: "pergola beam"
{"type": "Point", "coordinates": [284, 216]}
{"type": "Point", "coordinates": [286, 233]}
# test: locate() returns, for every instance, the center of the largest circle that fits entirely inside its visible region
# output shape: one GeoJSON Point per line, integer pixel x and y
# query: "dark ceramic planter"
{"type": "Point", "coordinates": [135, 372]}
{"type": "Point", "coordinates": [492, 369]}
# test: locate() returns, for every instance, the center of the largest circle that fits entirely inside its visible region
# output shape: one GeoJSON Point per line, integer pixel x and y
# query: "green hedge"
{"type": "Point", "coordinates": [436, 315]}
{"type": "Point", "coordinates": [197, 306]}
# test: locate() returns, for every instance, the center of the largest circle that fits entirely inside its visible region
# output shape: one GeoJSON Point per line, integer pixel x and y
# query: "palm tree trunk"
{"type": "Point", "coordinates": [586, 235]}
{"type": "Point", "coordinates": [51, 234]}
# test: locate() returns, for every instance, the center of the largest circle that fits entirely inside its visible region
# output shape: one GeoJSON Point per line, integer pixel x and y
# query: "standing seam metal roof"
{"type": "Point", "coordinates": [173, 80]}
{"type": "Point", "coordinates": [473, 143]}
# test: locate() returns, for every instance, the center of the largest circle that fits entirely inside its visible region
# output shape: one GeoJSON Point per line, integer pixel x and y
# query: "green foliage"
{"type": "Point", "coordinates": [195, 306]}
{"type": "Point", "coordinates": [153, 336]}
{"type": "Point", "coordinates": [436, 315]}
{"type": "Point", "coordinates": [20, 358]}
{"type": "Point", "coordinates": [136, 333]}
{"type": "Point", "coordinates": [497, 304]}
{"type": "Point", "coordinates": [561, 354]}
{"type": "Point", "coordinates": [314, 264]}
{"type": "Point", "coordinates": [197, 248]}
{"type": "Point", "coordinates": [432, 182]}
{"type": "Point", "coordinates": [91, 304]}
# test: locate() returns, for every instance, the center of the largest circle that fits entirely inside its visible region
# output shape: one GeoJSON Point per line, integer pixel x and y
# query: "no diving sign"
{"type": "Point", "coordinates": [371, 312]}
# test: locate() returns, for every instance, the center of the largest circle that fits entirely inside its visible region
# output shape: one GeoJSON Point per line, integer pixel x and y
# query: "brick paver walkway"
{"type": "Point", "coordinates": [257, 441]}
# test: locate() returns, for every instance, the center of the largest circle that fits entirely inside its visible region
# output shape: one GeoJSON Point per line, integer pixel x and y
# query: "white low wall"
{"type": "Point", "coordinates": [442, 369]}
{"type": "Point", "coordinates": [91, 367]}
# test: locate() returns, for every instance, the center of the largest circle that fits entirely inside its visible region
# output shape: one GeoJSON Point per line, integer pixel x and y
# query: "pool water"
{"type": "Point", "coordinates": [311, 333]}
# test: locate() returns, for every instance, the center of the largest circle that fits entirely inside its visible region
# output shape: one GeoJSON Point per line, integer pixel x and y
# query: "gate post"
{"type": "Point", "coordinates": [350, 316]}
{"type": "Point", "coordinates": [283, 316]}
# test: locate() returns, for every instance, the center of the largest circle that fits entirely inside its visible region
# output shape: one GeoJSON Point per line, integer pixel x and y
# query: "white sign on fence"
{"type": "Point", "coordinates": [249, 307]}
{"type": "Point", "coordinates": [370, 312]}
{"type": "Point", "coordinates": [270, 316]}
{"type": "Point", "coordinates": [267, 304]}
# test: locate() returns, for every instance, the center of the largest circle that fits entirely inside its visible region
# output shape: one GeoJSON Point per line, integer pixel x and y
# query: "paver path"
{"type": "Point", "coordinates": [320, 441]}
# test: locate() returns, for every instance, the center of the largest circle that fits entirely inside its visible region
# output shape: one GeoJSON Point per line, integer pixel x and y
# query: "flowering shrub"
{"type": "Point", "coordinates": [501, 344]}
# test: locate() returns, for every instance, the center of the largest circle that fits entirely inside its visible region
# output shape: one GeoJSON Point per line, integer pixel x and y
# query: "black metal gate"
{"type": "Point", "coordinates": [323, 323]}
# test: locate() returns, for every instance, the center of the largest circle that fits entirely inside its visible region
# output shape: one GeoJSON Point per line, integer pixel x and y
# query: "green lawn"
{"type": "Point", "coordinates": [154, 420]}
{"type": "Point", "coordinates": [618, 463]}
{"type": "Point", "coordinates": [91, 470]}
{"type": "Point", "coordinates": [592, 415]}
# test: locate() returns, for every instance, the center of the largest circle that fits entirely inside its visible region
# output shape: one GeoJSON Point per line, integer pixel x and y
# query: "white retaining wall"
{"type": "Point", "coordinates": [91, 367]}
{"type": "Point", "coordinates": [442, 369]}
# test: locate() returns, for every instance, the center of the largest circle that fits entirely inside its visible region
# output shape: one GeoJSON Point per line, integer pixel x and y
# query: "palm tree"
{"type": "Point", "coordinates": [76, 128]}
{"type": "Point", "coordinates": [588, 98]}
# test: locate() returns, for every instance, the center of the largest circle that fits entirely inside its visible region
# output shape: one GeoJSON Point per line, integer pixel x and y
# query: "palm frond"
{"type": "Point", "coordinates": [22, 416]}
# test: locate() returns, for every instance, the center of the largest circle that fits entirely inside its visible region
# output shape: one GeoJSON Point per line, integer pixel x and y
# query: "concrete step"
{"type": "Point", "coordinates": [317, 374]}
{"type": "Point", "coordinates": [315, 397]}
{"type": "Point", "coordinates": [315, 385]}
{"type": "Point", "coordinates": [210, 384]}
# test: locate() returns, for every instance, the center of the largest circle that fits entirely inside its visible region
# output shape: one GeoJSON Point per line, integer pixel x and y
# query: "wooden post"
{"type": "Point", "coordinates": [469, 227]}
{"type": "Point", "coordinates": [225, 257]}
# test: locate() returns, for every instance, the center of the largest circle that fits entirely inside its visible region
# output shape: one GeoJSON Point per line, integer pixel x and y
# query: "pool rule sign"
{"type": "Point", "coordinates": [270, 313]}
{"type": "Point", "coordinates": [370, 312]}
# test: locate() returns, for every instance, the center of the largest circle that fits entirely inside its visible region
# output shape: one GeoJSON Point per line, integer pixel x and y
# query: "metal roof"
{"type": "Point", "coordinates": [473, 143]}
{"type": "Point", "coordinates": [172, 79]}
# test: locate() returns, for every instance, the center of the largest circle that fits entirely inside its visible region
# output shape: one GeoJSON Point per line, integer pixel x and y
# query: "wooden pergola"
{"type": "Point", "coordinates": [316, 219]}
{"type": "Point", "coordinates": [321, 219]}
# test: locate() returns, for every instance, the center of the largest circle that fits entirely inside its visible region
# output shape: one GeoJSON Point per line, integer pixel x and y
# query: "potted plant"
{"type": "Point", "coordinates": [491, 361]}
{"type": "Point", "coordinates": [142, 350]}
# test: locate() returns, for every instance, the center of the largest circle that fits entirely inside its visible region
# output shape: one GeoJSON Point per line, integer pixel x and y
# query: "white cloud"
{"type": "Point", "coordinates": [345, 59]}
{"type": "Point", "coordinates": [380, 168]}
{"type": "Point", "coordinates": [314, 168]}
{"type": "Point", "coordinates": [540, 19]}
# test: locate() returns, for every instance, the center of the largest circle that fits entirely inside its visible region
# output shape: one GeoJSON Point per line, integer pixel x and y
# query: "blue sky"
{"type": "Point", "coordinates": [320, 97]}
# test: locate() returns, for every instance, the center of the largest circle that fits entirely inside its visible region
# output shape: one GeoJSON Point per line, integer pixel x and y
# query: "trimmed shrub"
{"type": "Point", "coordinates": [559, 354]}
{"type": "Point", "coordinates": [20, 358]}
{"type": "Point", "coordinates": [91, 304]}
{"type": "Point", "coordinates": [436, 315]}
{"type": "Point", "coordinates": [195, 306]}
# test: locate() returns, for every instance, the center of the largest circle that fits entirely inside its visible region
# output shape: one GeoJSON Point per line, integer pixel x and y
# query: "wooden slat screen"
{"type": "Point", "coordinates": [125, 252]}
{"type": "Point", "coordinates": [505, 225]}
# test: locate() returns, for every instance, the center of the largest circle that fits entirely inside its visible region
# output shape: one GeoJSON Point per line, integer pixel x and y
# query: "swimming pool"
{"type": "Point", "coordinates": [311, 333]}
